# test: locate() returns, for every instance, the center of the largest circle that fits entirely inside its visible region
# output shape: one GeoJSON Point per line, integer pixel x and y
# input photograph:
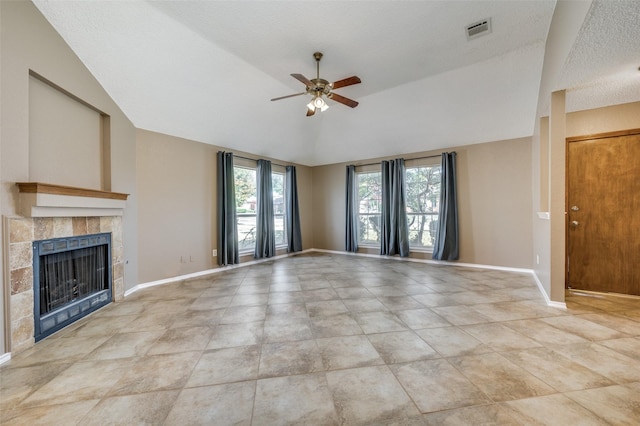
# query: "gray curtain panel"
{"type": "Point", "coordinates": [394, 238]}
{"type": "Point", "coordinates": [265, 227]}
{"type": "Point", "coordinates": [446, 246]}
{"type": "Point", "coordinates": [351, 231]}
{"type": "Point", "coordinates": [227, 225]}
{"type": "Point", "coordinates": [292, 213]}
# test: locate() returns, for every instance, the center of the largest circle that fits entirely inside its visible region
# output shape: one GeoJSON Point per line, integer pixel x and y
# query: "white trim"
{"type": "Point", "coordinates": [553, 304]}
{"type": "Point", "coordinates": [421, 249]}
{"type": "Point", "coordinates": [467, 265]}
{"type": "Point", "coordinates": [54, 205]}
{"type": "Point", "coordinates": [430, 261]}
{"type": "Point", "coordinates": [550, 302]}
{"type": "Point", "coordinates": [209, 272]}
{"type": "Point", "coordinates": [5, 358]}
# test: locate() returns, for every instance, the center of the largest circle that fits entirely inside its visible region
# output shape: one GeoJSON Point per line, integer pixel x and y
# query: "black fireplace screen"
{"type": "Point", "coordinates": [72, 278]}
{"type": "Point", "coordinates": [71, 275]}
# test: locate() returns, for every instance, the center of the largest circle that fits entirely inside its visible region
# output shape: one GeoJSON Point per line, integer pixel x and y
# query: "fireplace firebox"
{"type": "Point", "coordinates": [72, 278]}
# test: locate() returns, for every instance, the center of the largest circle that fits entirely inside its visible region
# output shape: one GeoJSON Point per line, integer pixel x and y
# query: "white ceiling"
{"type": "Point", "coordinates": [206, 70]}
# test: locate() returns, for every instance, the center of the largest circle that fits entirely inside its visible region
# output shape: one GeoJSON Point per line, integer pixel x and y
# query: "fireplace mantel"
{"type": "Point", "coordinates": [38, 199]}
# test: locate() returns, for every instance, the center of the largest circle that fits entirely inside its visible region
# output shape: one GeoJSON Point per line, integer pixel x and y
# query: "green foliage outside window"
{"type": "Point", "coordinates": [245, 187]}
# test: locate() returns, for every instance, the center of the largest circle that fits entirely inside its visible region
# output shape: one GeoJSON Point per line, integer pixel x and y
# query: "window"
{"type": "Point", "coordinates": [422, 198]}
{"type": "Point", "coordinates": [369, 207]}
{"type": "Point", "coordinates": [246, 200]}
{"type": "Point", "coordinates": [423, 202]}
{"type": "Point", "coordinates": [246, 205]}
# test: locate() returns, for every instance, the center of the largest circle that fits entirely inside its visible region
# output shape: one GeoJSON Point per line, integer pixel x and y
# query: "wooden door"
{"type": "Point", "coordinates": [603, 210]}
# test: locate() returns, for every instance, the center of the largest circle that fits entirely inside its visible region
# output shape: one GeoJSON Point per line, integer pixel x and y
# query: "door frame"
{"type": "Point", "coordinates": [568, 140]}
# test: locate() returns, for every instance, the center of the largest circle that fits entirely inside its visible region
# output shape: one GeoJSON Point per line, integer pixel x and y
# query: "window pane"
{"type": "Point", "coordinates": [369, 204]}
{"type": "Point", "coordinates": [279, 207]}
{"type": "Point", "coordinates": [246, 199]}
{"type": "Point", "coordinates": [280, 231]}
{"type": "Point", "coordinates": [246, 204]}
{"type": "Point", "coordinates": [245, 186]}
{"type": "Point", "coordinates": [246, 231]}
{"type": "Point", "coordinates": [423, 199]}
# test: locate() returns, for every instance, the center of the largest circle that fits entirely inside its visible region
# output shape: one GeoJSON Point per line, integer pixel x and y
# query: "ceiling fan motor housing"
{"type": "Point", "coordinates": [320, 87]}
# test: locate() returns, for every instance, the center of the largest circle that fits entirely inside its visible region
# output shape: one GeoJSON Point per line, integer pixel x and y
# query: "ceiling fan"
{"type": "Point", "coordinates": [319, 87]}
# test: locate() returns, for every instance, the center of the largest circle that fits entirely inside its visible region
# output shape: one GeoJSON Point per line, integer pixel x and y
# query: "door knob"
{"type": "Point", "coordinates": [575, 208]}
{"type": "Point", "coordinates": [574, 223]}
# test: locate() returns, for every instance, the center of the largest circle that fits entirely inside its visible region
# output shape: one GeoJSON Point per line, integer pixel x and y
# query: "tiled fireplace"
{"type": "Point", "coordinates": [22, 232]}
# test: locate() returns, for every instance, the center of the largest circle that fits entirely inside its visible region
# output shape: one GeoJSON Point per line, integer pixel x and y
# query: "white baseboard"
{"type": "Point", "coordinates": [430, 261]}
{"type": "Point", "coordinates": [550, 302]}
{"type": "Point", "coordinates": [5, 358]}
{"type": "Point", "coordinates": [466, 265]}
{"type": "Point", "coordinates": [209, 272]}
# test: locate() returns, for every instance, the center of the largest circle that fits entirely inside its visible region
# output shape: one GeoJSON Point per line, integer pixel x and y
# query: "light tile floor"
{"type": "Point", "coordinates": [335, 339]}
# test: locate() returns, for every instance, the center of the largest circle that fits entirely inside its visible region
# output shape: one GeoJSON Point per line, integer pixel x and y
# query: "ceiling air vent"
{"type": "Point", "coordinates": [478, 29]}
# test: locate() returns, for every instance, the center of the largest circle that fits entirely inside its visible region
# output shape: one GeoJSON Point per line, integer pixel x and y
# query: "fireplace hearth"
{"type": "Point", "coordinates": [72, 278]}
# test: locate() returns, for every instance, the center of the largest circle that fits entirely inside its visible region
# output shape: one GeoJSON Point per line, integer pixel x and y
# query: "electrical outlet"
{"type": "Point", "coordinates": [537, 259]}
{"type": "Point", "coordinates": [214, 252]}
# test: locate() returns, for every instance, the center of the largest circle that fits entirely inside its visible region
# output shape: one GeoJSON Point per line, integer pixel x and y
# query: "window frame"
{"type": "Point", "coordinates": [359, 173]}
{"type": "Point", "coordinates": [283, 215]}
{"type": "Point", "coordinates": [432, 162]}
{"type": "Point", "coordinates": [275, 170]}
{"type": "Point", "coordinates": [418, 164]}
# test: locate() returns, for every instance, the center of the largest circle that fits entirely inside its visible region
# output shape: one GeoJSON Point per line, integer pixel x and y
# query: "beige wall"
{"type": "Point", "coordinates": [494, 196]}
{"type": "Point", "coordinates": [602, 120]}
{"type": "Point", "coordinates": [306, 195]}
{"type": "Point", "coordinates": [177, 205]}
{"type": "Point", "coordinates": [29, 43]}
{"type": "Point", "coordinates": [176, 187]}
{"type": "Point", "coordinates": [329, 206]}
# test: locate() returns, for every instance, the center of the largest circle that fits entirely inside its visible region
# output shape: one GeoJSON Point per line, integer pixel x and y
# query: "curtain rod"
{"type": "Point", "coordinates": [253, 159]}
{"type": "Point", "coordinates": [408, 159]}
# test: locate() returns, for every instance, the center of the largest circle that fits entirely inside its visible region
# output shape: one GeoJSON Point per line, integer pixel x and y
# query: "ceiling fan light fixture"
{"type": "Point", "coordinates": [317, 103]}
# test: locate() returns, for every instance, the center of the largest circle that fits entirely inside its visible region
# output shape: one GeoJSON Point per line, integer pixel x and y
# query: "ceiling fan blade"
{"type": "Point", "coordinates": [302, 79]}
{"type": "Point", "coordinates": [288, 96]}
{"type": "Point", "coordinates": [342, 100]}
{"type": "Point", "coordinates": [310, 112]}
{"type": "Point", "coordinates": [346, 82]}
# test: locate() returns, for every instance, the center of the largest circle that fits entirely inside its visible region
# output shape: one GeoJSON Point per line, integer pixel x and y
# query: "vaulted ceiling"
{"type": "Point", "coordinates": [206, 70]}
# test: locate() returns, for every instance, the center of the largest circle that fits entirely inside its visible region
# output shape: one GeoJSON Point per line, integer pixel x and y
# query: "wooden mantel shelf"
{"type": "Point", "coordinates": [48, 188]}
{"type": "Point", "coordinates": [47, 200]}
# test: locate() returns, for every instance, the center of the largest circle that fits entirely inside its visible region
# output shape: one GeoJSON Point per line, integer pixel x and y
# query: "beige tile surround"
{"type": "Point", "coordinates": [334, 339]}
{"type": "Point", "coordinates": [22, 233]}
